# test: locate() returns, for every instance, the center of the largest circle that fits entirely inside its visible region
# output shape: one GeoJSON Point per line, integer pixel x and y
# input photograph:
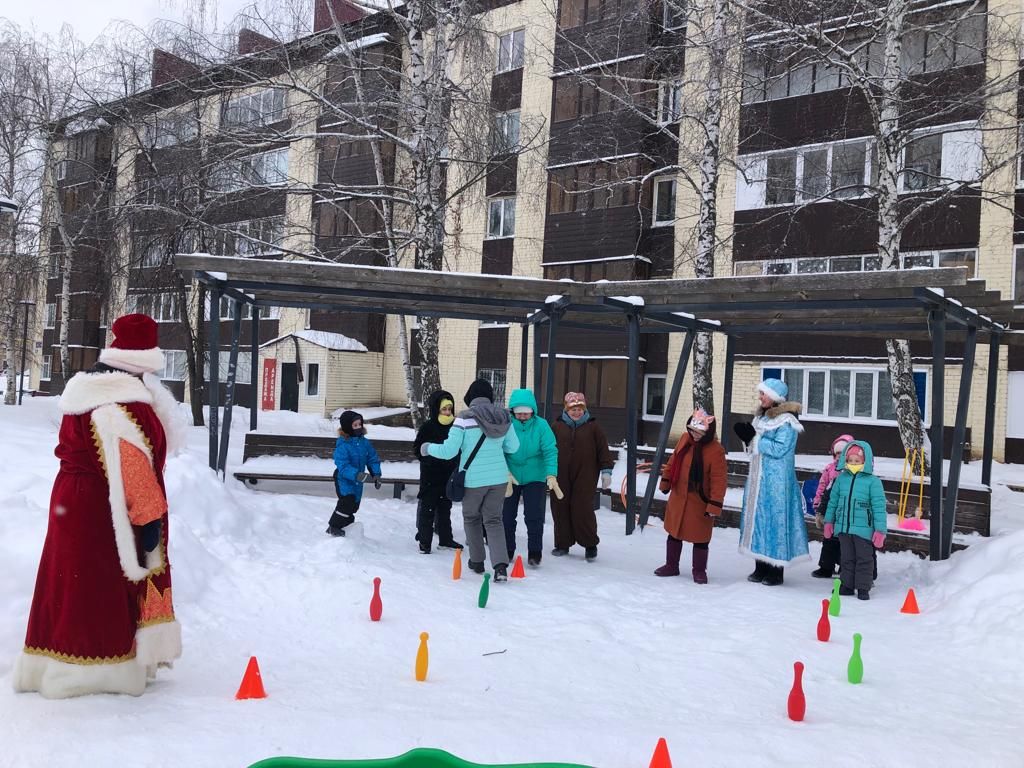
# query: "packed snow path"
{"type": "Point", "coordinates": [600, 659]}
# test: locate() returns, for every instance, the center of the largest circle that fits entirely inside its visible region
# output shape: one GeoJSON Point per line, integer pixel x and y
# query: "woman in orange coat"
{"type": "Point", "coordinates": [695, 479]}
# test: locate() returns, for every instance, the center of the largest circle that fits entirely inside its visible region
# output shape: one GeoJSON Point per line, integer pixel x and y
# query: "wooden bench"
{"type": "Point", "coordinates": [398, 484]}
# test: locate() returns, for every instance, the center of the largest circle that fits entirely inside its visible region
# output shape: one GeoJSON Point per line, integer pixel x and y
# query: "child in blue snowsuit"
{"type": "Point", "coordinates": [353, 455]}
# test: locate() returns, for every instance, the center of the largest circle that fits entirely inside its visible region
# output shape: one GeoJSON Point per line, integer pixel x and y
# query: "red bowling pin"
{"type": "Point", "coordinates": [824, 628]}
{"type": "Point", "coordinates": [796, 704]}
{"type": "Point", "coordinates": [376, 606]}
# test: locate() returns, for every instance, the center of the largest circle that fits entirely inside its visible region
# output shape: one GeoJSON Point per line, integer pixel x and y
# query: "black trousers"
{"type": "Point", "coordinates": [433, 515]}
{"type": "Point", "coordinates": [344, 512]}
{"type": "Point", "coordinates": [858, 563]}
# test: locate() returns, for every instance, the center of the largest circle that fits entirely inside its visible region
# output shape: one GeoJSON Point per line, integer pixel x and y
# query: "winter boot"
{"type": "Point", "coordinates": [774, 575]}
{"type": "Point", "coordinates": [335, 531]}
{"type": "Point", "coordinates": [424, 547]}
{"type": "Point", "coordinates": [822, 573]}
{"type": "Point", "coordinates": [476, 567]}
{"type": "Point", "coordinates": [846, 591]}
{"type": "Point", "coordinates": [590, 554]}
{"type": "Point", "coordinates": [500, 573]}
{"type": "Point", "coordinates": [863, 594]}
{"type": "Point", "coordinates": [700, 565]}
{"type": "Point", "coordinates": [449, 544]}
{"type": "Point", "coordinates": [760, 572]}
{"type": "Point", "coordinates": [534, 559]}
{"type": "Point", "coordinates": [673, 550]}
{"type": "Point", "coordinates": [559, 552]}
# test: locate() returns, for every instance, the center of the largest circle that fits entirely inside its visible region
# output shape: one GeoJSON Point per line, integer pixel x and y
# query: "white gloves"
{"type": "Point", "coordinates": [552, 483]}
{"type": "Point", "coordinates": [508, 488]}
{"type": "Point", "coordinates": [606, 480]}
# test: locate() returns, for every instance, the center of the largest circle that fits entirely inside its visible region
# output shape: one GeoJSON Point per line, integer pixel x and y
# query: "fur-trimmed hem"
{"type": "Point", "coordinates": [771, 560]}
{"type": "Point", "coordinates": [141, 360]}
{"type": "Point", "coordinates": [54, 679]}
{"type": "Point", "coordinates": [158, 643]}
{"type": "Point", "coordinates": [166, 408]}
{"type": "Point", "coordinates": [88, 391]}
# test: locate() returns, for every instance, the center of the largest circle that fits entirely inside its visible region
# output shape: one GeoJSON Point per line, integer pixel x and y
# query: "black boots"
{"type": "Point", "coordinates": [559, 552]}
{"type": "Point", "coordinates": [534, 558]}
{"type": "Point", "coordinates": [773, 575]}
{"type": "Point", "coordinates": [476, 567]}
{"type": "Point", "coordinates": [500, 573]}
{"type": "Point", "coordinates": [590, 554]}
{"type": "Point", "coordinates": [760, 571]}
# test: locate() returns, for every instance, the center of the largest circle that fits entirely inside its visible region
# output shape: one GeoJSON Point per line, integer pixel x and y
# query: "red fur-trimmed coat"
{"type": "Point", "coordinates": [102, 616]}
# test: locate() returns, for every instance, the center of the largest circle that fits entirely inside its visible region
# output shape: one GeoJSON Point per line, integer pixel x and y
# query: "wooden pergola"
{"type": "Point", "coordinates": [942, 305]}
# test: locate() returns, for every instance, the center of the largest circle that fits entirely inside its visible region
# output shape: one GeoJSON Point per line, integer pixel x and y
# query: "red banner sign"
{"type": "Point", "coordinates": [269, 382]}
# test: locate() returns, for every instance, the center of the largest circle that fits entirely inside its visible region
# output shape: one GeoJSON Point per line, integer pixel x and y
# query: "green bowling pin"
{"type": "Point", "coordinates": [485, 590]}
{"type": "Point", "coordinates": [855, 669]}
{"type": "Point", "coordinates": [833, 603]}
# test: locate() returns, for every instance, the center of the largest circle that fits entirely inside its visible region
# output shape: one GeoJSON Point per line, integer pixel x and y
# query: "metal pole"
{"type": "Point", "coordinates": [549, 386]}
{"type": "Point", "coordinates": [213, 353]}
{"type": "Point", "coordinates": [730, 364]}
{"type": "Point", "coordinates": [254, 368]}
{"type": "Point", "coordinates": [937, 320]}
{"type": "Point", "coordinates": [524, 355]}
{"type": "Point", "coordinates": [229, 399]}
{"type": "Point", "coordinates": [632, 372]}
{"type": "Point", "coordinates": [991, 386]}
{"type": "Point", "coordinates": [24, 347]}
{"type": "Point", "coordinates": [956, 452]}
{"type": "Point", "coordinates": [666, 428]}
{"type": "Point", "coordinates": [536, 369]}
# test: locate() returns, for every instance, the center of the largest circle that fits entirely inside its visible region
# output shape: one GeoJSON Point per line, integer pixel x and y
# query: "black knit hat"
{"type": "Point", "coordinates": [347, 419]}
{"type": "Point", "coordinates": [479, 388]}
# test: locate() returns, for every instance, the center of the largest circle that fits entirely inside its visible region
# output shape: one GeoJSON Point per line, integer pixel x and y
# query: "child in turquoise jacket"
{"type": "Point", "coordinates": [856, 514]}
{"type": "Point", "coordinates": [534, 469]}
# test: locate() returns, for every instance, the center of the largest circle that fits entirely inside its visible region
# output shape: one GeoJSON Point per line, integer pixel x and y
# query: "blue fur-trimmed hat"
{"type": "Point", "coordinates": [776, 389]}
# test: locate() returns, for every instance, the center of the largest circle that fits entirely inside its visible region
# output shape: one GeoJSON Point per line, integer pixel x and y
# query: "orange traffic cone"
{"type": "Point", "coordinates": [910, 604]}
{"type": "Point", "coordinates": [660, 759]}
{"type": "Point", "coordinates": [252, 682]}
{"type": "Point", "coordinates": [518, 572]}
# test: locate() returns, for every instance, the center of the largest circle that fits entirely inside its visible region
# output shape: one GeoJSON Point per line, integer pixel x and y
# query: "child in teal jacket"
{"type": "Point", "coordinates": [856, 514]}
{"type": "Point", "coordinates": [534, 469]}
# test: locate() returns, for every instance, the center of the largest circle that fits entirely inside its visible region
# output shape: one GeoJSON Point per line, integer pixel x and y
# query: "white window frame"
{"type": "Point", "coordinates": [156, 247]}
{"type": "Point", "coordinates": [256, 111]}
{"type": "Point", "coordinates": [175, 365]}
{"type": "Point", "coordinates": [170, 129]}
{"type": "Point", "coordinates": [259, 236]}
{"type": "Point", "coordinates": [794, 263]}
{"type": "Point", "coordinates": [503, 204]}
{"type": "Point", "coordinates": [852, 370]}
{"type": "Point", "coordinates": [656, 198]}
{"type": "Point", "coordinates": [670, 101]}
{"type": "Point", "coordinates": [647, 379]}
{"type": "Point", "coordinates": [242, 371]}
{"type": "Point", "coordinates": [935, 179]}
{"type": "Point", "coordinates": [488, 374]}
{"type": "Point", "coordinates": [507, 50]}
{"type": "Point", "coordinates": [50, 316]}
{"type": "Point", "coordinates": [799, 193]}
{"type": "Point", "coordinates": [62, 169]}
{"type": "Point", "coordinates": [46, 370]}
{"type": "Point", "coordinates": [309, 379]}
{"type": "Point", "coordinates": [256, 171]}
{"type": "Point", "coordinates": [504, 142]}
{"type": "Point", "coordinates": [162, 306]}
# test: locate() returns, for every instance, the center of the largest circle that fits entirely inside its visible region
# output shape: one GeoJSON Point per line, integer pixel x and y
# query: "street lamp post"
{"type": "Point", "coordinates": [24, 348]}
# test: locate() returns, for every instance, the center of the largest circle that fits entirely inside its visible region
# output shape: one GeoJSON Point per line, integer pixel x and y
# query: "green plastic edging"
{"type": "Point", "coordinates": [416, 758]}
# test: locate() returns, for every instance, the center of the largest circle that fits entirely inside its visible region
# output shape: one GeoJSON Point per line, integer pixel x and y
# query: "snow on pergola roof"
{"type": "Point", "coordinates": [874, 304]}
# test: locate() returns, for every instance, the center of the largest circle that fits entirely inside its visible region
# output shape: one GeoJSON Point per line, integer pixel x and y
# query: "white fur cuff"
{"type": "Point", "coordinates": [133, 360]}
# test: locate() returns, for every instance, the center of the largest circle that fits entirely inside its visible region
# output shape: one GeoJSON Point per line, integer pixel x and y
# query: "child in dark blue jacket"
{"type": "Point", "coordinates": [353, 455]}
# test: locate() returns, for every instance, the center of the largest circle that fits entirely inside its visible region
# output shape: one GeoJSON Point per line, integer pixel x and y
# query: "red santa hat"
{"type": "Point", "coordinates": [134, 348]}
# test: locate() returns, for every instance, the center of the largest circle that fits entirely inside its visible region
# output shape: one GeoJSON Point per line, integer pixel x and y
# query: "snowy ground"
{"type": "Point", "coordinates": [599, 659]}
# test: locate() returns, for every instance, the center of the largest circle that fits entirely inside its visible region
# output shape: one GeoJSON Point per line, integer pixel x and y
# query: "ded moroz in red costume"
{"type": "Point", "coordinates": [102, 620]}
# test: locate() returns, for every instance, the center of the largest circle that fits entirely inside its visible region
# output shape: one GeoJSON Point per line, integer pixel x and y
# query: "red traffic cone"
{"type": "Point", "coordinates": [796, 706]}
{"type": "Point", "coordinates": [660, 759]}
{"type": "Point", "coordinates": [252, 682]}
{"type": "Point", "coordinates": [518, 572]}
{"type": "Point", "coordinates": [910, 604]}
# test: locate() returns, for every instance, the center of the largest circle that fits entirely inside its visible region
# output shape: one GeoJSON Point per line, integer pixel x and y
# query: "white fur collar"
{"type": "Point", "coordinates": [88, 391]}
{"type": "Point", "coordinates": [768, 423]}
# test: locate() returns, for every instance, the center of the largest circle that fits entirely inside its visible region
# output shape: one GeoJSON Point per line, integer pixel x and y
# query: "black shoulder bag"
{"type": "Point", "coordinates": [456, 488]}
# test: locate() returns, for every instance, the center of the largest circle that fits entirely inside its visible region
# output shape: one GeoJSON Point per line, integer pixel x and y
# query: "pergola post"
{"type": "Point", "coordinates": [229, 397]}
{"type": "Point", "coordinates": [666, 428]}
{"type": "Point", "coordinates": [549, 385]}
{"type": "Point", "coordinates": [524, 354]}
{"type": "Point", "coordinates": [991, 387]}
{"type": "Point", "coordinates": [730, 365]}
{"type": "Point", "coordinates": [213, 355]}
{"type": "Point", "coordinates": [937, 320]}
{"type": "Point", "coordinates": [956, 452]}
{"type": "Point", "coordinates": [254, 368]}
{"type": "Point", "coordinates": [632, 372]}
{"type": "Point", "coordinates": [542, 411]}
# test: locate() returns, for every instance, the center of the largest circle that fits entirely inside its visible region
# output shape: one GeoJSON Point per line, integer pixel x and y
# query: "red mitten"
{"type": "Point", "coordinates": [829, 530]}
{"type": "Point", "coordinates": [878, 539]}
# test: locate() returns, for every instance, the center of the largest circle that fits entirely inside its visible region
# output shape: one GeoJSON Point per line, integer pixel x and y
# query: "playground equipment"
{"type": "Point", "coordinates": [855, 667]}
{"type": "Point", "coordinates": [796, 706]}
{"type": "Point", "coordinates": [834, 603]}
{"type": "Point", "coordinates": [252, 682]}
{"type": "Point", "coordinates": [911, 460]}
{"type": "Point", "coordinates": [422, 658]}
{"type": "Point", "coordinates": [376, 606]}
{"type": "Point", "coordinates": [485, 591]}
{"type": "Point", "coordinates": [417, 758]}
{"type": "Point", "coordinates": [518, 572]}
{"type": "Point", "coordinates": [457, 565]}
{"type": "Point", "coordinates": [910, 603]}
{"type": "Point", "coordinates": [824, 628]}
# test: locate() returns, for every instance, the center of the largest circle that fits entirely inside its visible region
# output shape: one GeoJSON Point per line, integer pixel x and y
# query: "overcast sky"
{"type": "Point", "coordinates": [90, 17]}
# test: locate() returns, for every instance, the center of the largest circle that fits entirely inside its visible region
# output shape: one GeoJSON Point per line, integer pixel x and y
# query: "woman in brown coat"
{"type": "Point", "coordinates": [583, 455]}
{"type": "Point", "coordinates": [695, 479]}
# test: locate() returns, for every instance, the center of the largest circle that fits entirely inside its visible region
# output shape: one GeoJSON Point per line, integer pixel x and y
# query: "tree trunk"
{"type": "Point", "coordinates": [195, 352]}
{"type": "Point", "coordinates": [904, 396]}
{"type": "Point", "coordinates": [703, 349]}
{"type": "Point", "coordinates": [10, 331]}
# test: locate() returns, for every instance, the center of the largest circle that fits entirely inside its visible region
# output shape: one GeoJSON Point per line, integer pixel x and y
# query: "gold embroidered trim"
{"type": "Point", "coordinates": [142, 432]}
{"type": "Point", "coordinates": [154, 622]}
{"type": "Point", "coordinates": [99, 448]}
{"type": "Point", "coordinates": [82, 660]}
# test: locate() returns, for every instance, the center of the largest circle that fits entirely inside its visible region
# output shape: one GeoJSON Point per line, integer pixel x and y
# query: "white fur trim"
{"type": "Point", "coordinates": [88, 391]}
{"type": "Point", "coordinates": [135, 360]}
{"type": "Point", "coordinates": [775, 396]}
{"type": "Point", "coordinates": [113, 425]}
{"type": "Point", "coordinates": [771, 560]}
{"type": "Point", "coordinates": [167, 410]}
{"type": "Point", "coordinates": [765, 424]}
{"type": "Point", "coordinates": [158, 643]}
{"type": "Point", "coordinates": [55, 679]}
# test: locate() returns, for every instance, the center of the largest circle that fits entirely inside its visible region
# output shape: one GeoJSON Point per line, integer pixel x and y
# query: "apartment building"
{"type": "Point", "coordinates": [581, 184]}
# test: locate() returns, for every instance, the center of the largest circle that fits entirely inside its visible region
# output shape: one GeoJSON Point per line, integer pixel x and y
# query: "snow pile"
{"type": "Point", "coordinates": [336, 342]}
